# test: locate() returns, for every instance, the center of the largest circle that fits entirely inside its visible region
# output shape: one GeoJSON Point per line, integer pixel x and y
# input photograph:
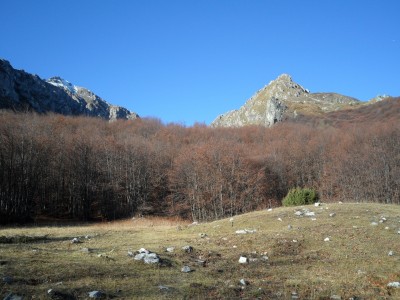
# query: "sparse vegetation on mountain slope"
{"type": "Point", "coordinates": [286, 252]}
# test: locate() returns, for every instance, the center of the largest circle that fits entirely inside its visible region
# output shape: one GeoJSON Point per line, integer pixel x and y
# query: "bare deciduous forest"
{"type": "Point", "coordinates": [57, 167]}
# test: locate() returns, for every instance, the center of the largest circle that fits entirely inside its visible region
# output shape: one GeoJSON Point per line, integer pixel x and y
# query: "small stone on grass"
{"type": "Point", "coordinates": [394, 284]}
{"type": "Point", "coordinates": [186, 269]}
{"type": "Point", "coordinates": [187, 249]}
{"type": "Point", "coordinates": [96, 294]}
{"type": "Point", "coordinates": [243, 260]}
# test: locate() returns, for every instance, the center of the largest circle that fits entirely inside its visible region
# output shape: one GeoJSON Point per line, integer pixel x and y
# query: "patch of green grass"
{"type": "Point", "coordinates": [355, 262]}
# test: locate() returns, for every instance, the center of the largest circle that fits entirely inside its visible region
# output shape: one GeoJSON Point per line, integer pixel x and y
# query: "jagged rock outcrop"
{"type": "Point", "coordinates": [22, 91]}
{"type": "Point", "coordinates": [274, 111]}
{"type": "Point", "coordinates": [282, 99]}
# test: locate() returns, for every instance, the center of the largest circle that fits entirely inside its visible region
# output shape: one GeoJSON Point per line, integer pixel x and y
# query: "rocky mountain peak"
{"type": "Point", "coordinates": [282, 78]}
{"type": "Point", "coordinates": [282, 98]}
{"type": "Point", "coordinates": [60, 82]}
{"type": "Point", "coordinates": [284, 86]}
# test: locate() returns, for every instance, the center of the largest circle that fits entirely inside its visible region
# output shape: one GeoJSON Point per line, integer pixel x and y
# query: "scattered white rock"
{"type": "Point", "coordinates": [96, 294]}
{"type": "Point", "coordinates": [280, 219]}
{"type": "Point", "coordinates": [86, 250]}
{"type": "Point", "coordinates": [269, 209]}
{"type": "Point", "coordinates": [313, 219]}
{"type": "Point", "coordinates": [163, 288]}
{"type": "Point", "coordinates": [139, 256]}
{"type": "Point", "coordinates": [336, 297]}
{"type": "Point", "coordinates": [391, 253]}
{"type": "Point", "coordinates": [143, 250]}
{"type": "Point", "coordinates": [243, 282]}
{"type": "Point", "coordinates": [224, 239]}
{"type": "Point", "coordinates": [355, 227]}
{"type": "Point", "coordinates": [147, 256]}
{"type": "Point", "coordinates": [203, 235]}
{"type": "Point", "coordinates": [340, 202]}
{"type": "Point", "coordinates": [374, 224]}
{"type": "Point", "coordinates": [75, 241]}
{"type": "Point", "coordinates": [289, 226]}
{"type": "Point", "coordinates": [294, 241]}
{"type": "Point", "coordinates": [253, 259]}
{"type": "Point", "coordinates": [309, 214]}
{"type": "Point", "coordinates": [294, 295]}
{"type": "Point", "coordinates": [151, 258]}
{"type": "Point", "coordinates": [234, 246]}
{"type": "Point", "coordinates": [186, 269]}
{"type": "Point", "coordinates": [298, 213]}
{"type": "Point", "coordinates": [332, 215]}
{"type": "Point", "coordinates": [387, 228]}
{"type": "Point", "coordinates": [130, 253]}
{"type": "Point", "coordinates": [170, 249]}
{"type": "Point", "coordinates": [194, 224]}
{"type": "Point", "coordinates": [316, 204]}
{"type": "Point", "coordinates": [243, 260]}
{"type": "Point", "coordinates": [361, 272]}
{"type": "Point", "coordinates": [200, 262]}
{"type": "Point", "coordinates": [394, 284]}
{"type": "Point", "coordinates": [187, 249]}
{"type": "Point", "coordinates": [245, 231]}
{"type": "Point", "coordinates": [264, 257]}
{"type": "Point", "coordinates": [398, 232]}
{"type": "Point", "coordinates": [327, 239]}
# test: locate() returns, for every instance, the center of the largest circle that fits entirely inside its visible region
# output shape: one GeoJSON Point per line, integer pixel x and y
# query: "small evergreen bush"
{"type": "Point", "coordinates": [300, 196]}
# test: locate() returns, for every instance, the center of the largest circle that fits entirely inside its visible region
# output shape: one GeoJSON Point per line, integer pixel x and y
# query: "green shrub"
{"type": "Point", "coordinates": [300, 196]}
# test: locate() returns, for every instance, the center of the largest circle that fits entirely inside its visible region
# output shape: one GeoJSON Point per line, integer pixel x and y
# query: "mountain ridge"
{"type": "Point", "coordinates": [21, 91]}
{"type": "Point", "coordinates": [280, 100]}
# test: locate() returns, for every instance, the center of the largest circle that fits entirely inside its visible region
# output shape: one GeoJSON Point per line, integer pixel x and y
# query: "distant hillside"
{"type": "Point", "coordinates": [283, 99]}
{"type": "Point", "coordinates": [373, 111]}
{"type": "Point", "coordinates": [22, 91]}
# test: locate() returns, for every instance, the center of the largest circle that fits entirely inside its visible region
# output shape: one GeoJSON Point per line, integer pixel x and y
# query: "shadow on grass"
{"type": "Point", "coordinates": [26, 239]}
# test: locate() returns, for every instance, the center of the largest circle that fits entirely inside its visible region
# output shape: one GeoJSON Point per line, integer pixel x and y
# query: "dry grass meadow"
{"type": "Point", "coordinates": [354, 263]}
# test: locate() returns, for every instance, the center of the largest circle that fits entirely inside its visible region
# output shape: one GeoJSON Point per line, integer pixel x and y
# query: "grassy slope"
{"type": "Point", "coordinates": [354, 263]}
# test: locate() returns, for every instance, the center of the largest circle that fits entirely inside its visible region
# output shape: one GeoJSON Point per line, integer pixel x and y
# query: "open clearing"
{"type": "Point", "coordinates": [289, 256]}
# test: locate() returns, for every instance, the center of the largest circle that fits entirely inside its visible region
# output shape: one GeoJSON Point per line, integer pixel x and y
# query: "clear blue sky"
{"type": "Point", "coordinates": [191, 60]}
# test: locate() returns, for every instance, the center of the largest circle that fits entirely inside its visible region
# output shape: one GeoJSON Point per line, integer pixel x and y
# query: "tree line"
{"type": "Point", "coordinates": [76, 168]}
